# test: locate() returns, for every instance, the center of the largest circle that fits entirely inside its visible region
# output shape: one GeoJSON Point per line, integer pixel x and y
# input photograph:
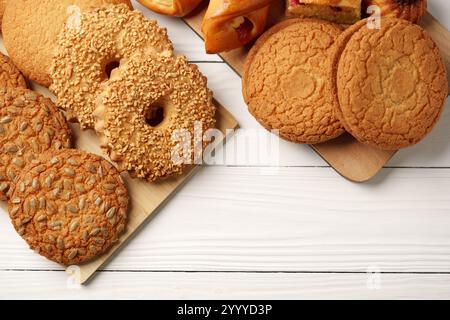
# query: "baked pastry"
{"type": "Point", "coordinates": [31, 28]}
{"type": "Point", "coordinates": [10, 76]}
{"type": "Point", "coordinates": [29, 125]}
{"type": "Point", "coordinates": [230, 24]}
{"type": "Point", "coordinates": [286, 82]}
{"type": "Point", "coordinates": [69, 206]}
{"type": "Point", "coordinates": [389, 85]}
{"type": "Point", "coordinates": [152, 116]}
{"type": "Point", "coordinates": [412, 10]}
{"type": "Point", "coordinates": [177, 8]}
{"type": "Point", "coordinates": [339, 11]}
{"type": "Point", "coordinates": [87, 53]}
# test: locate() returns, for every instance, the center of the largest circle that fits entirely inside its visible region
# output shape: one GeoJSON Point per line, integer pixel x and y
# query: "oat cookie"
{"type": "Point", "coordinates": [89, 52]}
{"type": "Point", "coordinates": [390, 84]}
{"type": "Point", "coordinates": [31, 27]}
{"type": "Point", "coordinates": [69, 206]}
{"type": "Point", "coordinates": [286, 82]}
{"type": "Point", "coordinates": [10, 76]}
{"type": "Point", "coordinates": [147, 100]}
{"type": "Point", "coordinates": [29, 125]}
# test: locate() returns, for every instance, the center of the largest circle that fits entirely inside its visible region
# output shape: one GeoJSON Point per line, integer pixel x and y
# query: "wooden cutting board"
{"type": "Point", "coordinates": [351, 159]}
{"type": "Point", "coordinates": [145, 198]}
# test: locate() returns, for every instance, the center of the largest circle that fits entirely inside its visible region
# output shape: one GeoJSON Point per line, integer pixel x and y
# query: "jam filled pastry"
{"type": "Point", "coordinates": [339, 11]}
{"type": "Point", "coordinates": [230, 24]}
{"type": "Point", "coordinates": [177, 8]}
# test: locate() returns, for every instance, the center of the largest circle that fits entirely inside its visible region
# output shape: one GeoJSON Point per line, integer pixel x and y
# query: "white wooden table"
{"type": "Point", "coordinates": [295, 231]}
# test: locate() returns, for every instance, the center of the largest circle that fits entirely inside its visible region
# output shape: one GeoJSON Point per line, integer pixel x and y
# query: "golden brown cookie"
{"type": "Point", "coordinates": [335, 55]}
{"type": "Point", "coordinates": [148, 107]}
{"type": "Point", "coordinates": [88, 51]}
{"type": "Point", "coordinates": [31, 27]}
{"type": "Point", "coordinates": [10, 76]}
{"type": "Point", "coordinates": [69, 206]}
{"type": "Point", "coordinates": [286, 82]}
{"type": "Point", "coordinates": [2, 11]}
{"type": "Point", "coordinates": [29, 125]}
{"type": "Point", "coordinates": [391, 83]}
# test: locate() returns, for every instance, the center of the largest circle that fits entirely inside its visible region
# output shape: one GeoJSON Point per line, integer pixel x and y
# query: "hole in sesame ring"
{"type": "Point", "coordinates": [110, 66]}
{"type": "Point", "coordinates": [155, 113]}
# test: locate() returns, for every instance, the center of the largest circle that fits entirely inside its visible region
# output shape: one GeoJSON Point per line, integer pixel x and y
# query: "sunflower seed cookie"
{"type": "Point", "coordinates": [10, 76]}
{"type": "Point", "coordinates": [29, 125]}
{"type": "Point", "coordinates": [31, 27]}
{"type": "Point", "coordinates": [390, 84]}
{"type": "Point", "coordinates": [286, 81]}
{"type": "Point", "coordinates": [148, 101]}
{"type": "Point", "coordinates": [69, 206]}
{"type": "Point", "coordinates": [89, 51]}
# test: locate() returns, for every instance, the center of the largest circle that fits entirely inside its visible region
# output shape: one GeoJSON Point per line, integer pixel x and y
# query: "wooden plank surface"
{"type": "Point", "coordinates": [181, 286]}
{"type": "Point", "coordinates": [307, 219]}
{"type": "Point", "coordinates": [351, 159]}
{"type": "Point", "coordinates": [290, 219]}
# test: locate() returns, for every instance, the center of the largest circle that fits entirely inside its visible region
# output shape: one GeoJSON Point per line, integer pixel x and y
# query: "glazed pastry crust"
{"type": "Point", "coordinates": [219, 24]}
{"type": "Point", "coordinates": [179, 8]}
{"type": "Point", "coordinates": [411, 10]}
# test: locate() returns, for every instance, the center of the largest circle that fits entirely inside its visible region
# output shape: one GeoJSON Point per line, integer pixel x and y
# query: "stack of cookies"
{"type": "Point", "coordinates": [69, 205]}
{"type": "Point", "coordinates": [312, 81]}
{"type": "Point", "coordinates": [112, 70]}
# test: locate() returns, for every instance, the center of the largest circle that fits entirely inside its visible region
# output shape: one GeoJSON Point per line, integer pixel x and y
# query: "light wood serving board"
{"type": "Point", "coordinates": [145, 198]}
{"type": "Point", "coordinates": [353, 160]}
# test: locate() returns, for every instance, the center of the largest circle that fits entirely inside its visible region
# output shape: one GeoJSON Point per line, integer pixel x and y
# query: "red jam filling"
{"type": "Point", "coordinates": [244, 31]}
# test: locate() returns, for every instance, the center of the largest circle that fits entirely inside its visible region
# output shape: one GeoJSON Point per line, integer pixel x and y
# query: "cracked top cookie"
{"type": "Point", "coordinates": [31, 27]}
{"type": "Point", "coordinates": [91, 47]}
{"type": "Point", "coordinates": [70, 206]}
{"type": "Point", "coordinates": [286, 82]}
{"type": "Point", "coordinates": [390, 84]}
{"type": "Point", "coordinates": [29, 125]}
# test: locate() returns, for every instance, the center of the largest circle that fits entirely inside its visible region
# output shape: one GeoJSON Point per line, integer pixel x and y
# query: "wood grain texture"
{"type": "Point", "coordinates": [290, 219]}
{"type": "Point", "coordinates": [181, 286]}
{"type": "Point", "coordinates": [351, 159]}
{"type": "Point", "coordinates": [246, 219]}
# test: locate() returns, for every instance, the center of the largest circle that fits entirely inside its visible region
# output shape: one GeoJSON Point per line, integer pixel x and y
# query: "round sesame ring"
{"type": "Point", "coordinates": [147, 101]}
{"type": "Point", "coordinates": [91, 45]}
